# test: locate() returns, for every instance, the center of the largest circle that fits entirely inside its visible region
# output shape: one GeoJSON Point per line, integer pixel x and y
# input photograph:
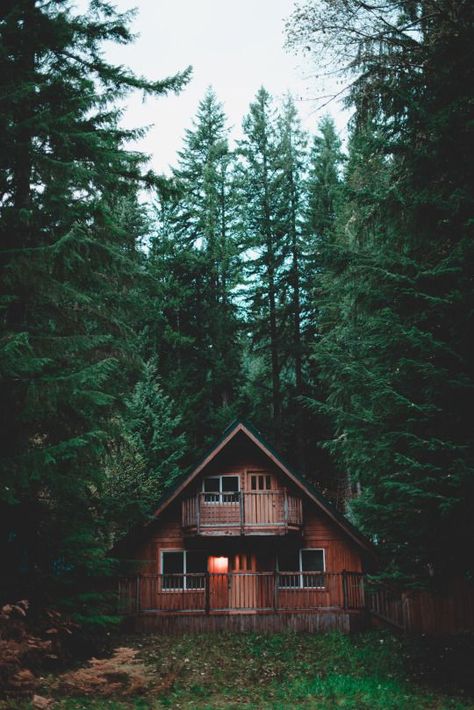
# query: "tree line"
{"type": "Point", "coordinates": [323, 294]}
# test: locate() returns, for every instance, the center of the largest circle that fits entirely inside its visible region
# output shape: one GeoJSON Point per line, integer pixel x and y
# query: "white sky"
{"type": "Point", "coordinates": [233, 45]}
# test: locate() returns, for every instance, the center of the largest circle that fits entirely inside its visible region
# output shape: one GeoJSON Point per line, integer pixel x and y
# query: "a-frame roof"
{"type": "Point", "coordinates": [229, 434]}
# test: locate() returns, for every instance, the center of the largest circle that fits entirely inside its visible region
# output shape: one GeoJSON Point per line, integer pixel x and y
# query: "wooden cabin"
{"type": "Point", "coordinates": [243, 542]}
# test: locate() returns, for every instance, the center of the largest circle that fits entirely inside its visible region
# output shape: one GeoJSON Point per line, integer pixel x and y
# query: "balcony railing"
{"type": "Point", "coordinates": [242, 512]}
{"type": "Point", "coordinates": [241, 592]}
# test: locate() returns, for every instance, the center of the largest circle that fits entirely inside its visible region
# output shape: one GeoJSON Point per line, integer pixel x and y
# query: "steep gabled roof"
{"type": "Point", "coordinates": [229, 434]}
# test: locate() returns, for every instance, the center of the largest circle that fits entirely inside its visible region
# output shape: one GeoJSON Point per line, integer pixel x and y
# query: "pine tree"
{"type": "Point", "coordinates": [267, 249]}
{"type": "Point", "coordinates": [195, 264]}
{"type": "Point", "coordinates": [144, 458]}
{"type": "Point", "coordinates": [66, 352]}
{"type": "Point", "coordinates": [396, 362]}
{"type": "Point", "coordinates": [323, 205]}
{"type": "Point", "coordinates": [292, 167]}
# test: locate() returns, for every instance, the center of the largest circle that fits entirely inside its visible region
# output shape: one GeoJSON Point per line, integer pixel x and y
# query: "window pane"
{"type": "Point", "coordinates": [173, 563]}
{"type": "Point", "coordinates": [312, 560]}
{"type": "Point", "coordinates": [211, 485]}
{"type": "Point", "coordinates": [196, 561]}
{"type": "Point", "coordinates": [230, 484]}
{"type": "Point", "coordinates": [173, 567]}
{"type": "Point", "coordinates": [196, 568]}
{"type": "Point", "coordinates": [253, 483]}
{"type": "Point", "coordinates": [268, 482]}
{"type": "Point", "coordinates": [260, 483]}
{"type": "Point", "coordinates": [288, 561]}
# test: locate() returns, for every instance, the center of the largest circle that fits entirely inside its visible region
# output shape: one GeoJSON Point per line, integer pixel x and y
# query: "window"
{"type": "Point", "coordinates": [221, 489]}
{"type": "Point", "coordinates": [260, 482]}
{"type": "Point", "coordinates": [298, 562]}
{"type": "Point", "coordinates": [183, 569]}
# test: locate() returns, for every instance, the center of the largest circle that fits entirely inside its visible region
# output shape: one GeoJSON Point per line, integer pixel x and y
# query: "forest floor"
{"type": "Point", "coordinates": [375, 670]}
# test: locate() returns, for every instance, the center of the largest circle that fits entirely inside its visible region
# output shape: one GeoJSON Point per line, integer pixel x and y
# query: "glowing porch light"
{"type": "Point", "coordinates": [219, 564]}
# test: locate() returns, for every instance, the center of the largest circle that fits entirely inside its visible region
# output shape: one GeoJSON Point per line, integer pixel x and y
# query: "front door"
{"type": "Point", "coordinates": [243, 582]}
{"type": "Point", "coordinates": [218, 582]}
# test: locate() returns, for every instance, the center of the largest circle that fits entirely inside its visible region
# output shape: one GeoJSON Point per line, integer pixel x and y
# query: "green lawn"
{"type": "Point", "coordinates": [370, 671]}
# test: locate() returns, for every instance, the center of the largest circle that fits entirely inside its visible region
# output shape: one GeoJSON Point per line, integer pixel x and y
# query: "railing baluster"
{"type": "Point", "coordinates": [245, 590]}
{"type": "Point", "coordinates": [243, 510]}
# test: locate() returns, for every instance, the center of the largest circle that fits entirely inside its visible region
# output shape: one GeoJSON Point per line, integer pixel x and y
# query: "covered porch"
{"type": "Point", "coordinates": [230, 593]}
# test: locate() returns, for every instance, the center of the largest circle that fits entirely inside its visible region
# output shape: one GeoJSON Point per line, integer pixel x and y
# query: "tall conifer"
{"type": "Point", "coordinates": [396, 361]}
{"type": "Point", "coordinates": [66, 261]}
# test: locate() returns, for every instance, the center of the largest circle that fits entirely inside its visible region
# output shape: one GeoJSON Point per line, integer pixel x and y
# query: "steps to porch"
{"type": "Point", "coordinates": [242, 513]}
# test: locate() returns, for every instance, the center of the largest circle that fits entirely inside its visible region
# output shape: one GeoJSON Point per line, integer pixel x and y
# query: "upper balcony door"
{"type": "Point", "coordinates": [264, 503]}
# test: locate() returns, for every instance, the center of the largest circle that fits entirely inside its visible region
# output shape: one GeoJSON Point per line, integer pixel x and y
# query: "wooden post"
{"type": "Point", "coordinates": [198, 513]}
{"type": "Point", "coordinates": [344, 589]}
{"type": "Point", "coordinates": [137, 599]}
{"type": "Point", "coordinates": [208, 592]}
{"type": "Point", "coordinates": [285, 508]}
{"type": "Point", "coordinates": [363, 601]}
{"type": "Point", "coordinates": [275, 590]}
{"type": "Point", "coordinates": [242, 512]}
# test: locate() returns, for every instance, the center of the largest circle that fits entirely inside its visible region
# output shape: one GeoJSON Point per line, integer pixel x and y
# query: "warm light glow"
{"type": "Point", "coordinates": [219, 564]}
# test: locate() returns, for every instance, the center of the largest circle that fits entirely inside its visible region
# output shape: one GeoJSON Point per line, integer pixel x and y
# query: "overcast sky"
{"type": "Point", "coordinates": [235, 46]}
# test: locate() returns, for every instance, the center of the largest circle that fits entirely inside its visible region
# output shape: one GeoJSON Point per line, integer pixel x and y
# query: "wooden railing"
{"type": "Point", "coordinates": [387, 604]}
{"type": "Point", "coordinates": [242, 512]}
{"type": "Point", "coordinates": [241, 591]}
{"type": "Point", "coordinates": [282, 592]}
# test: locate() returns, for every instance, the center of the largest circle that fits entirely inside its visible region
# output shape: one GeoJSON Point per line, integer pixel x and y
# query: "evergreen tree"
{"type": "Point", "coordinates": [66, 356]}
{"type": "Point", "coordinates": [266, 247]}
{"type": "Point", "coordinates": [324, 201]}
{"type": "Point", "coordinates": [195, 264]}
{"type": "Point", "coordinates": [396, 362]}
{"type": "Point", "coordinates": [144, 457]}
{"type": "Point", "coordinates": [292, 167]}
{"type": "Point", "coordinates": [292, 151]}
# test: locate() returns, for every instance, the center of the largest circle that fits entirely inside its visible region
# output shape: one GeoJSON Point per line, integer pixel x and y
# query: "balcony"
{"type": "Point", "coordinates": [242, 513]}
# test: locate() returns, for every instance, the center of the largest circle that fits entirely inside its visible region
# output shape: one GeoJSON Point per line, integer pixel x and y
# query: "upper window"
{"type": "Point", "coordinates": [183, 569]}
{"type": "Point", "coordinates": [260, 482]}
{"type": "Point", "coordinates": [302, 568]}
{"type": "Point", "coordinates": [221, 489]}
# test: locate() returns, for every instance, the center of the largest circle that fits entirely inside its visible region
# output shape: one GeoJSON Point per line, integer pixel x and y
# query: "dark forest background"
{"type": "Point", "coordinates": [323, 293]}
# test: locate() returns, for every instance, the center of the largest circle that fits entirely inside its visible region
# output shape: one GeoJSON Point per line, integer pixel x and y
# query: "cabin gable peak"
{"type": "Point", "coordinates": [240, 428]}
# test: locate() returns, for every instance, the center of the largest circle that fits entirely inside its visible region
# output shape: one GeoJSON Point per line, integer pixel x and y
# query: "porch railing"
{"type": "Point", "coordinates": [241, 511]}
{"type": "Point", "coordinates": [241, 591]}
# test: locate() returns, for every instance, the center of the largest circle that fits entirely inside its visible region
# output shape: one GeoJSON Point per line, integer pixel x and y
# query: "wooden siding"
{"type": "Point", "coordinates": [322, 621]}
{"type": "Point", "coordinates": [239, 589]}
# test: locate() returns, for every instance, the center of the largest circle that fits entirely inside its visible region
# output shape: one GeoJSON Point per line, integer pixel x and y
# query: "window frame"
{"type": "Point", "coordinates": [300, 573]}
{"type": "Point", "coordinates": [185, 587]}
{"type": "Point", "coordinates": [260, 475]}
{"type": "Point", "coordinates": [219, 493]}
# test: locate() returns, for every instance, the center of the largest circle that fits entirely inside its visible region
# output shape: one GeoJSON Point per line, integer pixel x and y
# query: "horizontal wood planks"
{"type": "Point", "coordinates": [261, 623]}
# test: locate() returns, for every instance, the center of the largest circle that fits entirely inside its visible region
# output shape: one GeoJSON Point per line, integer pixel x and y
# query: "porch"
{"type": "Point", "coordinates": [234, 593]}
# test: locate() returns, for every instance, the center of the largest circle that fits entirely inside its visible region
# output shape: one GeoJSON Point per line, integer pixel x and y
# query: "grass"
{"type": "Point", "coordinates": [375, 670]}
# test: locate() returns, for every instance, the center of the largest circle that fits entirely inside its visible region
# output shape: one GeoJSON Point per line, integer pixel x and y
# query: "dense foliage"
{"type": "Point", "coordinates": [70, 271]}
{"type": "Point", "coordinates": [326, 297]}
{"type": "Point", "coordinates": [396, 350]}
